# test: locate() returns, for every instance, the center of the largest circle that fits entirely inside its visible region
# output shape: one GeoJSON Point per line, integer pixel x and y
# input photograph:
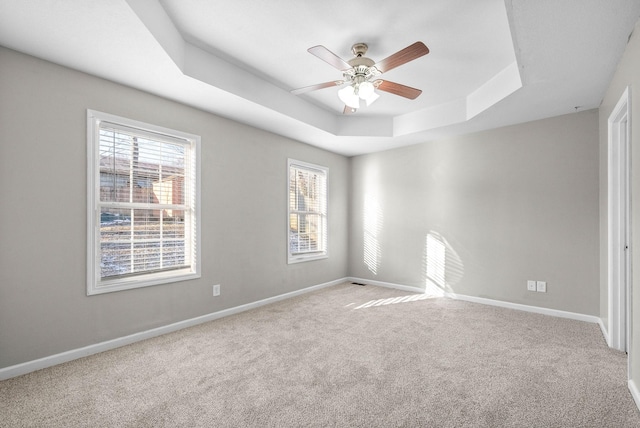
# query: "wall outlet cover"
{"type": "Point", "coordinates": [531, 285]}
{"type": "Point", "coordinates": [541, 286]}
{"type": "Point", "coordinates": [216, 290]}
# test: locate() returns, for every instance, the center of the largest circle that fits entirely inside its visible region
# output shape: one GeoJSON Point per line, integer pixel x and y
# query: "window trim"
{"type": "Point", "coordinates": [95, 285]}
{"type": "Point", "coordinates": [317, 255]}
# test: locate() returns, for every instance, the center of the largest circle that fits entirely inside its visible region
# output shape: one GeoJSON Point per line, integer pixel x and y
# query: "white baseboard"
{"type": "Point", "coordinates": [605, 333]}
{"type": "Point", "coordinates": [635, 393]}
{"type": "Point", "coordinates": [491, 302]}
{"type": "Point", "coordinates": [527, 308]}
{"type": "Point", "coordinates": [63, 357]}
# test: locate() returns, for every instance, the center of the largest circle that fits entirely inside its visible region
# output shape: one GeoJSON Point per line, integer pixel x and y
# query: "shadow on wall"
{"type": "Point", "coordinates": [372, 227]}
{"type": "Point", "coordinates": [442, 266]}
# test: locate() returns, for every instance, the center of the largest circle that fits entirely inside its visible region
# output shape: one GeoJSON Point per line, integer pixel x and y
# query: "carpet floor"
{"type": "Point", "coordinates": [343, 356]}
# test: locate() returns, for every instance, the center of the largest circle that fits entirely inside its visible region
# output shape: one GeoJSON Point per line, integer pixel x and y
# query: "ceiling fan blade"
{"type": "Point", "coordinates": [329, 57]}
{"type": "Point", "coordinates": [407, 54]}
{"type": "Point", "coordinates": [317, 86]}
{"type": "Point", "coordinates": [398, 89]}
{"type": "Point", "coordinates": [349, 110]}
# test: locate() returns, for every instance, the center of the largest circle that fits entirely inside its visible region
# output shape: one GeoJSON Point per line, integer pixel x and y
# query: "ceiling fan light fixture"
{"type": "Point", "coordinates": [365, 90]}
{"type": "Point", "coordinates": [348, 96]}
{"type": "Point", "coordinates": [358, 72]}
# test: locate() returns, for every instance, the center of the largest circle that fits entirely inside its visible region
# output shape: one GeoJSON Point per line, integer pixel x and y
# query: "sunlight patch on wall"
{"type": "Point", "coordinates": [372, 227]}
{"type": "Point", "coordinates": [436, 260]}
{"type": "Point", "coordinates": [442, 265]}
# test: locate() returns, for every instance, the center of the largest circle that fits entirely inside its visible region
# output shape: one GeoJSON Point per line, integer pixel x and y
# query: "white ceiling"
{"type": "Point", "coordinates": [492, 62]}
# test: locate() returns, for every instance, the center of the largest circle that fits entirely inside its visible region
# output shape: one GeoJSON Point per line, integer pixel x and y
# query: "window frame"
{"type": "Point", "coordinates": [322, 253]}
{"type": "Point", "coordinates": [95, 283]}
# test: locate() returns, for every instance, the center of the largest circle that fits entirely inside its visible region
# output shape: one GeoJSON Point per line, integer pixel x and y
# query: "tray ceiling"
{"type": "Point", "coordinates": [492, 62]}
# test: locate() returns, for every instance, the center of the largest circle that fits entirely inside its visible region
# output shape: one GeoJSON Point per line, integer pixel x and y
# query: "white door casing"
{"type": "Point", "coordinates": [619, 226]}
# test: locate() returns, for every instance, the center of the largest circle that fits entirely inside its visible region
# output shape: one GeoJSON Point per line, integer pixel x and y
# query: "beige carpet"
{"type": "Point", "coordinates": [345, 356]}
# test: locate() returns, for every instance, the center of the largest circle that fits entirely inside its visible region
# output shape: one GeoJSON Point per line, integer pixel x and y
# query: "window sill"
{"type": "Point", "coordinates": [306, 258]}
{"type": "Point", "coordinates": [121, 284]}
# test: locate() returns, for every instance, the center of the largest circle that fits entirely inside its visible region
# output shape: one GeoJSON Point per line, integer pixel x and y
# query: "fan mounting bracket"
{"type": "Point", "coordinates": [359, 49]}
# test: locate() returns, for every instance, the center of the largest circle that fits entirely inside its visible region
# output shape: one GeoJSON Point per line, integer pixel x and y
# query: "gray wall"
{"type": "Point", "coordinates": [43, 306]}
{"type": "Point", "coordinates": [498, 207]}
{"type": "Point", "coordinates": [627, 73]}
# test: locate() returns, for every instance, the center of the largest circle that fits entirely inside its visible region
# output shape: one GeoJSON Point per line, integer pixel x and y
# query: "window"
{"type": "Point", "coordinates": [307, 211]}
{"type": "Point", "coordinates": [143, 207]}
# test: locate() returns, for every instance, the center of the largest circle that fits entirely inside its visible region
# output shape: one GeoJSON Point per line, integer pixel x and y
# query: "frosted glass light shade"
{"type": "Point", "coordinates": [365, 90]}
{"type": "Point", "coordinates": [347, 95]}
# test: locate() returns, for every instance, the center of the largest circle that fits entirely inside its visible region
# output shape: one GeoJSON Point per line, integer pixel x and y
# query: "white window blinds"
{"type": "Point", "coordinates": [145, 204]}
{"type": "Point", "coordinates": [307, 211]}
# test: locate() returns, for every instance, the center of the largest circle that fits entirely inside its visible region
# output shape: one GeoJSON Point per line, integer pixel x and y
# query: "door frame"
{"type": "Point", "coordinates": [619, 224]}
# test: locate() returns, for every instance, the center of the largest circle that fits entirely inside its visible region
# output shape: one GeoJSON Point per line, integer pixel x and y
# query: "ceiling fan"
{"type": "Point", "coordinates": [360, 73]}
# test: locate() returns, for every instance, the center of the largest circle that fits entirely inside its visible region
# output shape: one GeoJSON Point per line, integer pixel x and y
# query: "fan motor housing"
{"type": "Point", "coordinates": [360, 61]}
{"type": "Point", "coordinates": [359, 50]}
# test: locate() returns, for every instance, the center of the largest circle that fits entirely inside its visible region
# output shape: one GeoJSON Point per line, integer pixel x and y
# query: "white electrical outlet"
{"type": "Point", "coordinates": [216, 290]}
{"type": "Point", "coordinates": [541, 286]}
{"type": "Point", "coordinates": [531, 285]}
